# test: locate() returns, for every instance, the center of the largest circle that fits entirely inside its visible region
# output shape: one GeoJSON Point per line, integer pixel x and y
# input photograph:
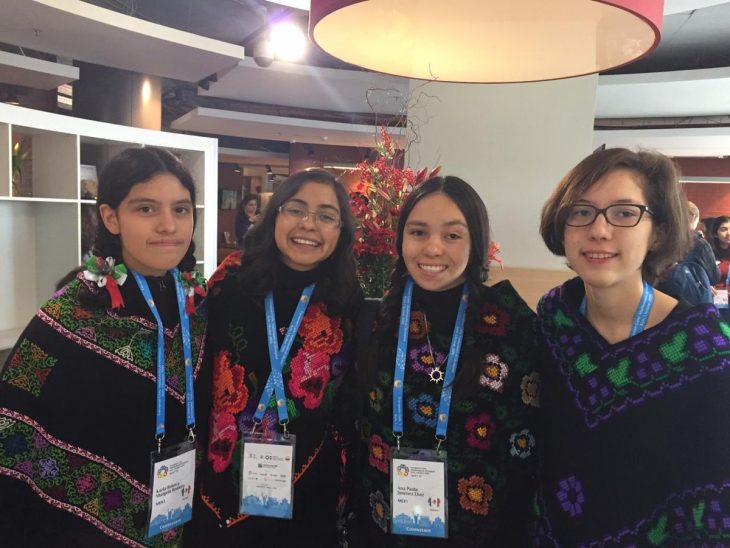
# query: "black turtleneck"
{"type": "Point", "coordinates": [440, 306]}
{"type": "Point", "coordinates": [162, 289]}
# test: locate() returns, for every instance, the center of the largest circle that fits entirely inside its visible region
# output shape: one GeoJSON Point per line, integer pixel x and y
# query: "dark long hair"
{"type": "Point", "coordinates": [128, 168]}
{"type": "Point", "coordinates": [337, 284]}
{"type": "Point", "coordinates": [475, 213]}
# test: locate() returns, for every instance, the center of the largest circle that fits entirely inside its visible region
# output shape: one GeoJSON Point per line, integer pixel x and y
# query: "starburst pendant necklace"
{"type": "Point", "coordinates": [435, 373]}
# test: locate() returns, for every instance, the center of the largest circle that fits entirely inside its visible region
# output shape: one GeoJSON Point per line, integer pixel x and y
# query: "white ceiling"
{"type": "Point", "coordinates": [78, 30]}
{"type": "Point", "coordinates": [704, 92]}
{"type": "Point", "coordinates": [294, 85]}
{"type": "Point", "coordinates": [277, 128]}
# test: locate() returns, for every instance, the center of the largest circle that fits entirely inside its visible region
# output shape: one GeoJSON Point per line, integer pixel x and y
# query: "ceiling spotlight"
{"type": "Point", "coordinates": [288, 41]}
{"type": "Point", "coordinates": [263, 52]}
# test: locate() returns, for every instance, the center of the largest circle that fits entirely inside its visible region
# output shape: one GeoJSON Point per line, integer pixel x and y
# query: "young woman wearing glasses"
{"type": "Point", "coordinates": [633, 444]}
{"type": "Point", "coordinates": [281, 323]}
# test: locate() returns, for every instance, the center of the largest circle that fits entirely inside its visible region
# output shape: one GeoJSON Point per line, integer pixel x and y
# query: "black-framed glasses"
{"type": "Point", "coordinates": [321, 218]}
{"type": "Point", "coordinates": [623, 215]}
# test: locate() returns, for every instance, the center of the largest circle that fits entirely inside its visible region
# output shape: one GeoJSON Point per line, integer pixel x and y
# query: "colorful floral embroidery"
{"type": "Point", "coordinates": [74, 480]}
{"type": "Point", "coordinates": [423, 409]}
{"type": "Point", "coordinates": [320, 333]}
{"type": "Point", "coordinates": [310, 373]}
{"type": "Point", "coordinates": [494, 372]}
{"type": "Point", "coordinates": [418, 327]}
{"type": "Point", "coordinates": [530, 386]}
{"type": "Point", "coordinates": [223, 437]}
{"type": "Point", "coordinates": [29, 367]}
{"type": "Point", "coordinates": [476, 494]}
{"type": "Point", "coordinates": [229, 389]}
{"type": "Point", "coordinates": [570, 496]}
{"type": "Point", "coordinates": [494, 320]}
{"type": "Point", "coordinates": [521, 444]}
{"type": "Point", "coordinates": [422, 358]}
{"type": "Point", "coordinates": [480, 431]}
{"type": "Point", "coordinates": [379, 454]}
{"type": "Point", "coordinates": [379, 510]}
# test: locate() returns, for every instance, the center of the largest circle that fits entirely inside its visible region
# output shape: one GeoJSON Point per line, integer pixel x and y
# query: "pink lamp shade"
{"type": "Point", "coordinates": [487, 41]}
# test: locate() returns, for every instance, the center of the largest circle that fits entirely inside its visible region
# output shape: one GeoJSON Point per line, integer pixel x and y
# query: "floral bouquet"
{"type": "Point", "coordinates": [376, 202]}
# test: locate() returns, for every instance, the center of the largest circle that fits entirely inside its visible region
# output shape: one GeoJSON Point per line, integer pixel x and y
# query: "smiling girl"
{"type": "Point", "coordinates": [441, 332]}
{"type": "Point", "coordinates": [99, 378]}
{"type": "Point", "coordinates": [281, 315]}
{"type": "Point", "coordinates": [633, 452]}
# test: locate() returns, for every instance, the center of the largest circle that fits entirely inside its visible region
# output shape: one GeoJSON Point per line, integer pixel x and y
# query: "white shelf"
{"type": "Point", "coordinates": [41, 235]}
{"type": "Point", "coordinates": [21, 70]}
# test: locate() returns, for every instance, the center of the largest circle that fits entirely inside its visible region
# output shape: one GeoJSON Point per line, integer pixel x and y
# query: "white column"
{"type": "Point", "coordinates": [512, 143]}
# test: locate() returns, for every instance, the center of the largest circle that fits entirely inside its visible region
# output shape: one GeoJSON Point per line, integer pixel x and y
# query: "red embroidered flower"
{"type": "Point", "coordinates": [320, 332]}
{"type": "Point", "coordinates": [229, 389]}
{"type": "Point", "coordinates": [493, 320]}
{"type": "Point", "coordinates": [232, 260]}
{"type": "Point", "coordinates": [223, 437]}
{"type": "Point", "coordinates": [379, 454]}
{"type": "Point", "coordinates": [480, 431]}
{"type": "Point", "coordinates": [310, 372]}
{"type": "Point", "coordinates": [475, 495]}
{"type": "Point", "coordinates": [418, 327]}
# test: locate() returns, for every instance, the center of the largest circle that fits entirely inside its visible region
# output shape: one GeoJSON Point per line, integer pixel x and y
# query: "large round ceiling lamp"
{"type": "Point", "coordinates": [487, 41]}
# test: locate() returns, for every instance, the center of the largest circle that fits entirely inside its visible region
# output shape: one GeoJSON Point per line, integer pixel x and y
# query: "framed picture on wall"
{"type": "Point", "coordinates": [228, 199]}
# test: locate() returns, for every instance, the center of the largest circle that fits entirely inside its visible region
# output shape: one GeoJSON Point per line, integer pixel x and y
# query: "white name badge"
{"type": "Point", "coordinates": [720, 298]}
{"type": "Point", "coordinates": [418, 493]}
{"type": "Point", "coordinates": [172, 480]}
{"type": "Point", "coordinates": [267, 469]}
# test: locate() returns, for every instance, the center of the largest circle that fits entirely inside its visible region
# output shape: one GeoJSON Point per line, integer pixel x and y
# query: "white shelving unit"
{"type": "Point", "coordinates": [41, 235]}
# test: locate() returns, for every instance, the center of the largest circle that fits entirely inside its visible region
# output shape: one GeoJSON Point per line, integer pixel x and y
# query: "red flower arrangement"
{"type": "Point", "coordinates": [376, 202]}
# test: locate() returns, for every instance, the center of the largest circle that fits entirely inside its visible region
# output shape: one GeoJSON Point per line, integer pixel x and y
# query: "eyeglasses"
{"type": "Point", "coordinates": [321, 218]}
{"type": "Point", "coordinates": [623, 215]}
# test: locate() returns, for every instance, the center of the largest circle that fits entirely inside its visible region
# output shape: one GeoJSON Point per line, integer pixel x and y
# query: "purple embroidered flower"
{"type": "Point", "coordinates": [48, 468]}
{"type": "Point", "coordinates": [25, 467]}
{"type": "Point", "coordinates": [112, 500]}
{"type": "Point", "coordinates": [137, 498]}
{"type": "Point", "coordinates": [85, 484]}
{"type": "Point", "coordinates": [570, 496]}
{"type": "Point", "coordinates": [421, 360]}
{"type": "Point", "coordinates": [39, 441]}
{"type": "Point", "coordinates": [117, 523]}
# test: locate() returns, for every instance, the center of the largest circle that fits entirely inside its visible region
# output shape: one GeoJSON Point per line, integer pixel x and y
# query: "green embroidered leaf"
{"type": "Point", "coordinates": [618, 376]}
{"type": "Point", "coordinates": [658, 534]}
{"type": "Point", "coordinates": [561, 320]}
{"type": "Point", "coordinates": [584, 366]}
{"type": "Point", "coordinates": [697, 512]}
{"type": "Point", "coordinates": [674, 351]}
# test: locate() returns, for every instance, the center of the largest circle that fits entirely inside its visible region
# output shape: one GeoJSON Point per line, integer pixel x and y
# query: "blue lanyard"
{"type": "Point", "coordinates": [277, 356]}
{"type": "Point", "coordinates": [400, 364]}
{"type": "Point", "coordinates": [187, 354]}
{"type": "Point", "coordinates": [641, 316]}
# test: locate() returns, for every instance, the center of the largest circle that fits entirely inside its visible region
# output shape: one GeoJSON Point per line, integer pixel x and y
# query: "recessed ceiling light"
{"type": "Point", "coordinates": [288, 41]}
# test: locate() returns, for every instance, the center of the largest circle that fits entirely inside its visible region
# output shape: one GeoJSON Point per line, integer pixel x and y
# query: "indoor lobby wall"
{"type": "Point", "coordinates": [513, 143]}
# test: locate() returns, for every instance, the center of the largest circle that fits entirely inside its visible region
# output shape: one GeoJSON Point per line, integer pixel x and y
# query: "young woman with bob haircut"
{"type": "Point", "coordinates": [632, 452]}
